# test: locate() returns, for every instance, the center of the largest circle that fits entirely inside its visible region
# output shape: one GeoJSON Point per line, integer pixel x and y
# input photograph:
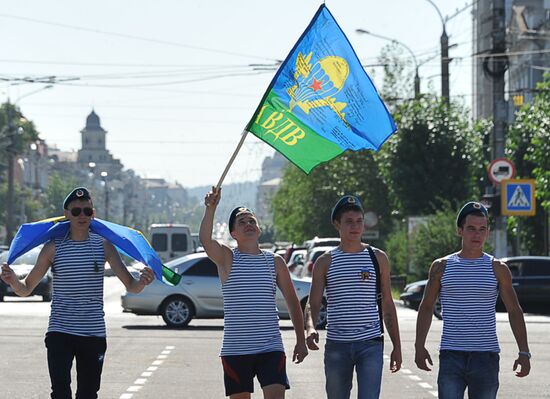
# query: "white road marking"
{"type": "Point", "coordinates": [140, 382]}
{"type": "Point", "coordinates": [425, 385]}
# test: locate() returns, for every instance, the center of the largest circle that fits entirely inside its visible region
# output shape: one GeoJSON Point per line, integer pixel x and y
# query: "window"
{"type": "Point", "coordinates": [536, 268]}
{"type": "Point", "coordinates": [179, 242]}
{"type": "Point", "coordinates": [204, 267]}
{"type": "Point", "coordinates": [160, 242]}
{"type": "Point", "coordinates": [514, 268]}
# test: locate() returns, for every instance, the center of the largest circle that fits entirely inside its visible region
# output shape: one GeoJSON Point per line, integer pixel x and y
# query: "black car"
{"type": "Point", "coordinates": [412, 296]}
{"type": "Point", "coordinates": [530, 279]}
{"type": "Point", "coordinates": [22, 266]}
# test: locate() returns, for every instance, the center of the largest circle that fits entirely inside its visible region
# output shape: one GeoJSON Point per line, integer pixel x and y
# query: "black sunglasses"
{"type": "Point", "coordinates": [87, 211]}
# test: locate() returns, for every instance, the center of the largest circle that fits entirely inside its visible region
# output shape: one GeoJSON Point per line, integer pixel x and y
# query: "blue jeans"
{"type": "Point", "coordinates": [341, 358]}
{"type": "Point", "coordinates": [476, 370]}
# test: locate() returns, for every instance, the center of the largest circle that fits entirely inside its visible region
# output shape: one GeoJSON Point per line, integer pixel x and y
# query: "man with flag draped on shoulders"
{"type": "Point", "coordinates": [76, 327]}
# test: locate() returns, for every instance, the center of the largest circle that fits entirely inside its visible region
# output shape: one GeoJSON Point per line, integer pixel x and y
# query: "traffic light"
{"type": "Point", "coordinates": [492, 203]}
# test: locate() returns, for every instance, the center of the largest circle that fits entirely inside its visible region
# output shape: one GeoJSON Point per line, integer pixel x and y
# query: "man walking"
{"type": "Point", "coordinates": [356, 277]}
{"type": "Point", "coordinates": [252, 344]}
{"type": "Point", "coordinates": [76, 327]}
{"type": "Point", "coordinates": [468, 283]}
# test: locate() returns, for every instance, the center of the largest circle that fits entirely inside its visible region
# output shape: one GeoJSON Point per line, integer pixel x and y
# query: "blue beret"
{"type": "Point", "coordinates": [78, 193]}
{"type": "Point", "coordinates": [240, 210]}
{"type": "Point", "coordinates": [468, 208]}
{"type": "Point", "coordinates": [347, 200]}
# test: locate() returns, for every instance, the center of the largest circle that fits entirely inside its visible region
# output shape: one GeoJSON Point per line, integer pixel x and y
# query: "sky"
{"type": "Point", "coordinates": [175, 82]}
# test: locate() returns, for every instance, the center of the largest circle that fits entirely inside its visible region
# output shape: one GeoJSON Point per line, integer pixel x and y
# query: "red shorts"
{"type": "Point", "coordinates": [239, 371]}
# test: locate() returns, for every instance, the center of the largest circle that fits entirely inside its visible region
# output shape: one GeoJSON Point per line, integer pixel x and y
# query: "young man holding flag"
{"type": "Point", "coordinates": [77, 326]}
{"type": "Point", "coordinates": [356, 278]}
{"type": "Point", "coordinates": [252, 343]}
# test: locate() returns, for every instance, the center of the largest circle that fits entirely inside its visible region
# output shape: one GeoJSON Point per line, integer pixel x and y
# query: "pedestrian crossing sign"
{"type": "Point", "coordinates": [518, 197]}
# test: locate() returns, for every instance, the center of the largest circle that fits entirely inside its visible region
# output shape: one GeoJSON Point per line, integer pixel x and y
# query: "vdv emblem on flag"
{"type": "Point", "coordinates": [321, 102]}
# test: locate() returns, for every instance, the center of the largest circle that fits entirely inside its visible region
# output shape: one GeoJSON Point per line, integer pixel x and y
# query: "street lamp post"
{"type": "Point", "coordinates": [416, 76]}
{"type": "Point", "coordinates": [104, 178]}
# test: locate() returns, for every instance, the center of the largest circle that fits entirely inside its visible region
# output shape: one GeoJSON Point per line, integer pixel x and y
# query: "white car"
{"type": "Point", "coordinates": [198, 294]}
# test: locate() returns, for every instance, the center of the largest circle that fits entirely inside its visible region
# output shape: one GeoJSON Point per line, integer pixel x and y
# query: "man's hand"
{"type": "Point", "coordinates": [395, 360]}
{"type": "Point", "coordinates": [146, 276]}
{"type": "Point", "coordinates": [212, 198]}
{"type": "Point", "coordinates": [525, 366]}
{"type": "Point", "coordinates": [312, 340]}
{"type": "Point", "coordinates": [300, 353]}
{"type": "Point", "coordinates": [420, 357]}
{"type": "Point", "coordinates": [8, 275]}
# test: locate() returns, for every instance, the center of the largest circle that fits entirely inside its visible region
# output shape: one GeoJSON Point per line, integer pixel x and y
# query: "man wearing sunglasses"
{"type": "Point", "coordinates": [76, 327]}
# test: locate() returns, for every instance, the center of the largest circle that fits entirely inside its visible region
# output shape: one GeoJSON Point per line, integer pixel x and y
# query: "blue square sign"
{"type": "Point", "coordinates": [518, 197]}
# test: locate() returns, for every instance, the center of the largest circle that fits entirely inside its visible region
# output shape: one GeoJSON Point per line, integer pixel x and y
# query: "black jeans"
{"type": "Point", "coordinates": [89, 353]}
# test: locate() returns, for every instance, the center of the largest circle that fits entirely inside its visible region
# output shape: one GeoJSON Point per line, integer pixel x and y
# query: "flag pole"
{"type": "Point", "coordinates": [243, 136]}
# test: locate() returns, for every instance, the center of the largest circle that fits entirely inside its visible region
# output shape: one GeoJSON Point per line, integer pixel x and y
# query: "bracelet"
{"type": "Point", "coordinates": [528, 354]}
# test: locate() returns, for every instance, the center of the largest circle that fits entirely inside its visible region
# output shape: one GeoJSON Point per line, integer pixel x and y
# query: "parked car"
{"type": "Point", "coordinates": [198, 295]}
{"type": "Point", "coordinates": [530, 279]}
{"type": "Point", "coordinates": [22, 266]}
{"type": "Point", "coordinates": [297, 259]}
{"type": "Point", "coordinates": [412, 296]}
{"type": "Point", "coordinates": [322, 242]}
{"type": "Point", "coordinates": [290, 250]}
{"type": "Point", "coordinates": [312, 255]}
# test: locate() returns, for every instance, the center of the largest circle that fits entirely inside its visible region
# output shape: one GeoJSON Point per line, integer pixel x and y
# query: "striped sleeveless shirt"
{"type": "Point", "coordinates": [352, 311]}
{"type": "Point", "coordinates": [251, 321]}
{"type": "Point", "coordinates": [469, 291]}
{"type": "Point", "coordinates": [77, 298]}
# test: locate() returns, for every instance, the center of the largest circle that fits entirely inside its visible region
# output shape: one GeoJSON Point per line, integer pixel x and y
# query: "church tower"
{"type": "Point", "coordinates": [94, 146]}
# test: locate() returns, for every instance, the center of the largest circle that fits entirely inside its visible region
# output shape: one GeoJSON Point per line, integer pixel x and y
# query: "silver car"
{"type": "Point", "coordinates": [198, 295]}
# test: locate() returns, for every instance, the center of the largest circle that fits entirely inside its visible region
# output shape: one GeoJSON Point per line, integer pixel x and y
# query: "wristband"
{"type": "Point", "coordinates": [528, 354]}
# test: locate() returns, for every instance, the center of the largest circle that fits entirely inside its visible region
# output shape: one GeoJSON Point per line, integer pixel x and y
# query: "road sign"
{"type": "Point", "coordinates": [518, 197]}
{"type": "Point", "coordinates": [371, 219]}
{"type": "Point", "coordinates": [501, 169]}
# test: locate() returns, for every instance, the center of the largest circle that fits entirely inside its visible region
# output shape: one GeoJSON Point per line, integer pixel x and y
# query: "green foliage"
{"type": "Point", "coordinates": [528, 146]}
{"type": "Point", "coordinates": [26, 209]}
{"type": "Point", "coordinates": [433, 240]}
{"type": "Point", "coordinates": [396, 249]}
{"type": "Point", "coordinates": [435, 156]}
{"type": "Point", "coordinates": [303, 204]}
{"type": "Point", "coordinates": [55, 192]}
{"type": "Point", "coordinates": [16, 132]}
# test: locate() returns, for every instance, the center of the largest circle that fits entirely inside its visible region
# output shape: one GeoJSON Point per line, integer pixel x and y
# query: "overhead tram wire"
{"type": "Point", "coordinates": [134, 37]}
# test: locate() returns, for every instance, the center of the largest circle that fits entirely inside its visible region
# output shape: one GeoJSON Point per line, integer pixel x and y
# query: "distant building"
{"type": "Point", "coordinates": [270, 182]}
{"type": "Point", "coordinates": [528, 43]}
{"type": "Point", "coordinates": [93, 153]}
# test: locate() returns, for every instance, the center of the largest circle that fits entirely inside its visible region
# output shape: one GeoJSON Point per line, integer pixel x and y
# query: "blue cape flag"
{"type": "Point", "coordinates": [128, 240]}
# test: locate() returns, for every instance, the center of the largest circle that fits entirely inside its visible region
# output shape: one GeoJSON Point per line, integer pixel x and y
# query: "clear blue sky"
{"type": "Point", "coordinates": [172, 81]}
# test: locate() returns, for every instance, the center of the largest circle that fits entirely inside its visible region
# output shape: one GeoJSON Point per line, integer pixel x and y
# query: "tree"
{"type": "Point", "coordinates": [303, 204]}
{"type": "Point", "coordinates": [57, 189]}
{"type": "Point", "coordinates": [528, 145]}
{"type": "Point", "coordinates": [435, 156]}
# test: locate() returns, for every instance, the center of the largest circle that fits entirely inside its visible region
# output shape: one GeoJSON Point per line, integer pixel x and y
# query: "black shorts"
{"type": "Point", "coordinates": [239, 371]}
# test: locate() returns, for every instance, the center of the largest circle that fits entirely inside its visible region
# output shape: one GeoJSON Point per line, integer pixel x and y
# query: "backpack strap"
{"type": "Point", "coordinates": [378, 287]}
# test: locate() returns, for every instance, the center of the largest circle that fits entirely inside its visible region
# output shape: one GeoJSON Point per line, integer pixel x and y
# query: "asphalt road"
{"type": "Point", "coordinates": [145, 359]}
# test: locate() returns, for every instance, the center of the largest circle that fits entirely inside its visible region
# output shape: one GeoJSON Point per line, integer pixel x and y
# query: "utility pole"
{"type": "Point", "coordinates": [498, 66]}
{"type": "Point", "coordinates": [11, 172]}
{"type": "Point", "coordinates": [445, 66]}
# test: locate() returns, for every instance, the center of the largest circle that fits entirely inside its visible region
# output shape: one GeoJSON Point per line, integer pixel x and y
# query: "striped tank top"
{"type": "Point", "coordinates": [77, 298]}
{"type": "Point", "coordinates": [251, 321]}
{"type": "Point", "coordinates": [469, 291]}
{"type": "Point", "coordinates": [352, 312]}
